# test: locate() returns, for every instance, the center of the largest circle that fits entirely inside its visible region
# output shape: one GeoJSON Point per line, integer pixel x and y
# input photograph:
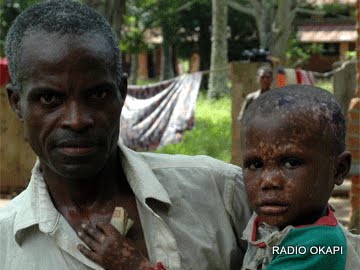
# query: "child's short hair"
{"type": "Point", "coordinates": [305, 100]}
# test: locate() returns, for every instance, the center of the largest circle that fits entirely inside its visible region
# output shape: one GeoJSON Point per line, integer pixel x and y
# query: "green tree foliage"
{"type": "Point", "coordinates": [299, 54]}
{"type": "Point", "coordinates": [132, 41]}
{"type": "Point", "coordinates": [160, 14]}
{"type": "Point", "coordinates": [274, 21]}
{"type": "Point", "coordinates": [112, 10]}
{"type": "Point", "coordinates": [337, 10]}
{"type": "Point", "coordinates": [195, 33]}
{"type": "Point", "coordinates": [166, 17]}
{"type": "Point", "coordinates": [9, 10]}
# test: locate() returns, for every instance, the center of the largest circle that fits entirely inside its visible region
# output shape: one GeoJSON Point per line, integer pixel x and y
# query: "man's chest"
{"type": "Point", "coordinates": [104, 215]}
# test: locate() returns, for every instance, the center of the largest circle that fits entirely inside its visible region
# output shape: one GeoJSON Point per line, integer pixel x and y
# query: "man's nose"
{"type": "Point", "coordinates": [271, 179]}
{"type": "Point", "coordinates": [77, 116]}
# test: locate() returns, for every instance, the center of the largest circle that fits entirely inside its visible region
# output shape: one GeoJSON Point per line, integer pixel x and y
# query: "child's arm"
{"type": "Point", "coordinates": [110, 249]}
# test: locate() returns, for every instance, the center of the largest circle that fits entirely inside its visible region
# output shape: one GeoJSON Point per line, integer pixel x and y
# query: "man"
{"type": "Point", "coordinates": [265, 79]}
{"type": "Point", "coordinates": [68, 90]}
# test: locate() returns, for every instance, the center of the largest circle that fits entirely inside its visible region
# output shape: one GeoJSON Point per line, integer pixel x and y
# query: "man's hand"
{"type": "Point", "coordinates": [110, 249]}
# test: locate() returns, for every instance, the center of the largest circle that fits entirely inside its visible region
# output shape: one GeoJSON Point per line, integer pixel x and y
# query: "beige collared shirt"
{"type": "Point", "coordinates": [192, 210]}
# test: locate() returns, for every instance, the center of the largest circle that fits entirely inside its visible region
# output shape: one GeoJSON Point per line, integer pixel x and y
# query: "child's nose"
{"type": "Point", "coordinates": [271, 179]}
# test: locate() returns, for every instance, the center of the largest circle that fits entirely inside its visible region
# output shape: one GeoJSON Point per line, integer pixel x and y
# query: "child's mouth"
{"type": "Point", "coordinates": [273, 207]}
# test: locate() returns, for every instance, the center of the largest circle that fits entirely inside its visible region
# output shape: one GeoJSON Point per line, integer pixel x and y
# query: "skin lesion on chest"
{"type": "Point", "coordinates": [103, 215]}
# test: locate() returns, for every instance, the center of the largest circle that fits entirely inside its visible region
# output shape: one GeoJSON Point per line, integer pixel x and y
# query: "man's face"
{"type": "Point", "coordinates": [265, 82]}
{"type": "Point", "coordinates": [288, 174]}
{"type": "Point", "coordinates": [70, 102]}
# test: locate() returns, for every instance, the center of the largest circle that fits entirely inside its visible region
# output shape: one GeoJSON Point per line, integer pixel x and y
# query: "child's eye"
{"type": "Point", "coordinates": [292, 163]}
{"type": "Point", "coordinates": [253, 165]}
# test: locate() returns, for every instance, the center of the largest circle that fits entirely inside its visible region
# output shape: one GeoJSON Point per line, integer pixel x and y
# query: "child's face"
{"type": "Point", "coordinates": [288, 174]}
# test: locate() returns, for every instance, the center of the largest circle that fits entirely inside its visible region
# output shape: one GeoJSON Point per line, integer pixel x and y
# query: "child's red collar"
{"type": "Point", "coordinates": [328, 220]}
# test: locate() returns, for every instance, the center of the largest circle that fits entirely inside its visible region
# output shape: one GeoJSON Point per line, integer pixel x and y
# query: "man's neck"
{"type": "Point", "coordinates": [85, 194]}
{"type": "Point", "coordinates": [264, 90]}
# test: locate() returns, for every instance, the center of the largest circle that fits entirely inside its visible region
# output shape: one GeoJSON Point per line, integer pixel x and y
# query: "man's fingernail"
{"type": "Point", "coordinates": [80, 234]}
{"type": "Point", "coordinates": [83, 225]}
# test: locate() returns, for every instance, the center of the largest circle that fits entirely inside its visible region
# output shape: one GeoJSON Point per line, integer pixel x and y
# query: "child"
{"type": "Point", "coordinates": [293, 148]}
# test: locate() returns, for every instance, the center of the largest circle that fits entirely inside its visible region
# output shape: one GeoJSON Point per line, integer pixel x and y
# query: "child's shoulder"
{"type": "Point", "coordinates": [312, 247]}
{"type": "Point", "coordinates": [316, 235]}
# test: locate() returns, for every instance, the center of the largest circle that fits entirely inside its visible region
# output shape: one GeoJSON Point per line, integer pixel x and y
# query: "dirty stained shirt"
{"type": "Point", "coordinates": [197, 214]}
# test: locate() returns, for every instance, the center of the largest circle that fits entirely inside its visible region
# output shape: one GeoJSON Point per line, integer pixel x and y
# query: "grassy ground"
{"type": "Point", "coordinates": [212, 133]}
{"type": "Point", "coordinates": [325, 84]}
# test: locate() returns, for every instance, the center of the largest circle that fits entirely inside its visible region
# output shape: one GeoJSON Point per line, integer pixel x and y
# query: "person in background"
{"type": "Point", "coordinates": [265, 79]}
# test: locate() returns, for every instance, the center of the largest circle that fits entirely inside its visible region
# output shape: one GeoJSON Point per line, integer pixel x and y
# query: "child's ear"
{"type": "Point", "coordinates": [14, 99]}
{"type": "Point", "coordinates": [343, 164]}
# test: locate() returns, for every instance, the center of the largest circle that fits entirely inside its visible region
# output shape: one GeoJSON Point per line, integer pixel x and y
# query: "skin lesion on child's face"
{"type": "Point", "coordinates": [288, 175]}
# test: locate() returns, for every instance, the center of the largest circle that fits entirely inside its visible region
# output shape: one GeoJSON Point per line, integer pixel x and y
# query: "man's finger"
{"type": "Point", "coordinates": [107, 228]}
{"type": "Point", "coordinates": [91, 242]}
{"type": "Point", "coordinates": [98, 235]}
{"type": "Point", "coordinates": [89, 254]}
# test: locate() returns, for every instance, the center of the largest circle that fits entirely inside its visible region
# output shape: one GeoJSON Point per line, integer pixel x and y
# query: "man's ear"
{"type": "Point", "coordinates": [124, 85]}
{"type": "Point", "coordinates": [14, 99]}
{"type": "Point", "coordinates": [343, 164]}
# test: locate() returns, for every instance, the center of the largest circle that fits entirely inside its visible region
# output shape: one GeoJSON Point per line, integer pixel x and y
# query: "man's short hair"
{"type": "Point", "coordinates": [311, 101]}
{"type": "Point", "coordinates": [64, 17]}
{"type": "Point", "coordinates": [264, 71]}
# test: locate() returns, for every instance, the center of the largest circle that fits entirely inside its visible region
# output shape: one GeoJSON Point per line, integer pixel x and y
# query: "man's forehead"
{"type": "Point", "coordinates": [38, 37]}
{"type": "Point", "coordinates": [52, 45]}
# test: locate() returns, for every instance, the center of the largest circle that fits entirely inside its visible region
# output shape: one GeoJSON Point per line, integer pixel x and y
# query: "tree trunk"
{"type": "Point", "coordinates": [218, 71]}
{"type": "Point", "coordinates": [264, 21]}
{"type": "Point", "coordinates": [112, 10]}
{"type": "Point", "coordinates": [167, 71]}
{"type": "Point", "coordinates": [273, 21]}
{"type": "Point", "coordinates": [134, 69]}
{"type": "Point", "coordinates": [282, 30]}
{"type": "Point", "coordinates": [204, 51]}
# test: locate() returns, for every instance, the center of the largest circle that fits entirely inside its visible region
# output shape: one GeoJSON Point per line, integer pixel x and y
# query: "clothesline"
{"type": "Point", "coordinates": [317, 74]}
{"type": "Point", "coordinates": [332, 72]}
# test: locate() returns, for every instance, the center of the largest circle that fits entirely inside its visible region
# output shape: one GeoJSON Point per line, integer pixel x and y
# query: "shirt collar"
{"type": "Point", "coordinates": [275, 235]}
{"type": "Point", "coordinates": [37, 207]}
{"type": "Point", "coordinates": [141, 177]}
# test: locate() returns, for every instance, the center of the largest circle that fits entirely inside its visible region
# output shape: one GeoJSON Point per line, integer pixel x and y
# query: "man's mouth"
{"type": "Point", "coordinates": [76, 148]}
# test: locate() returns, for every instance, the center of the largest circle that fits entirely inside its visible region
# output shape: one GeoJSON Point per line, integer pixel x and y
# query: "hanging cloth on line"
{"type": "Point", "coordinates": [159, 114]}
{"type": "Point", "coordinates": [4, 72]}
{"type": "Point", "coordinates": [294, 76]}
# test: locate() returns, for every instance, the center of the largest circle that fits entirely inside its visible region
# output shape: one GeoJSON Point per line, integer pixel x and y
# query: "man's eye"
{"type": "Point", "coordinates": [292, 163]}
{"type": "Point", "coordinates": [49, 99]}
{"type": "Point", "coordinates": [98, 94]}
